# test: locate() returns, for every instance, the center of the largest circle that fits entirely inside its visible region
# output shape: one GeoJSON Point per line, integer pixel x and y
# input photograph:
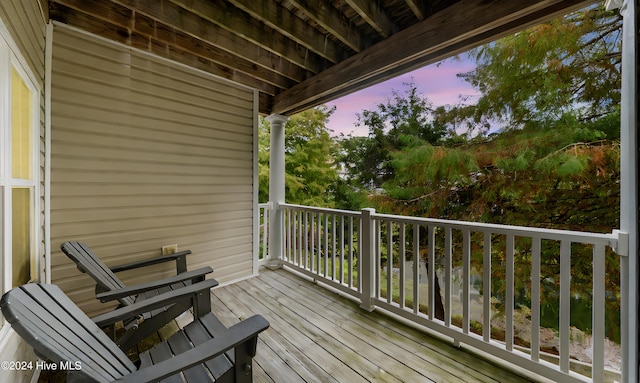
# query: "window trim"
{"type": "Point", "coordinates": [10, 58]}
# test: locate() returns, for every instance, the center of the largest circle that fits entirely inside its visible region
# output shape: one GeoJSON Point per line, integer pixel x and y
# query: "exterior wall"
{"type": "Point", "coordinates": [146, 153]}
{"type": "Point", "coordinates": [25, 22]}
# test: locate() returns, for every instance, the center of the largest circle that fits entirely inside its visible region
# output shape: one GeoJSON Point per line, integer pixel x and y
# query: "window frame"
{"type": "Point", "coordinates": [10, 58]}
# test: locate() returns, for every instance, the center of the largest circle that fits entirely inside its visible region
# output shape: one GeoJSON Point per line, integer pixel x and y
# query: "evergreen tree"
{"type": "Point", "coordinates": [567, 66]}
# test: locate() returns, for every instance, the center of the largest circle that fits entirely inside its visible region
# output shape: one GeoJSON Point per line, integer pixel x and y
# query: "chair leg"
{"type": "Point", "coordinates": [243, 366]}
{"type": "Point", "coordinates": [202, 304]}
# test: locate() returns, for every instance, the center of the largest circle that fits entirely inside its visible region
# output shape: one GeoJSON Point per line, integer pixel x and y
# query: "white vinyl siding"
{"type": "Point", "coordinates": [146, 153]}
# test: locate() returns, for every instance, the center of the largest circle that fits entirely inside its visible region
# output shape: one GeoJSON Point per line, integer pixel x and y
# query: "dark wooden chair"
{"type": "Point", "coordinates": [109, 288]}
{"type": "Point", "coordinates": [204, 351]}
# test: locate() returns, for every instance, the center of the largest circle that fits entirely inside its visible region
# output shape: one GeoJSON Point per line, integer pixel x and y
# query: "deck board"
{"type": "Point", "coordinates": [317, 335]}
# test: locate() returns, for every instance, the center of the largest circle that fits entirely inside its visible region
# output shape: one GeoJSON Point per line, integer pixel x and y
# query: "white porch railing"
{"type": "Point", "coordinates": [458, 279]}
{"type": "Point", "coordinates": [263, 219]}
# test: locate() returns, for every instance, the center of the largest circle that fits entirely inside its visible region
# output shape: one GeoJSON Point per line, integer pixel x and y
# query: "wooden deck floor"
{"type": "Point", "coordinates": [317, 335]}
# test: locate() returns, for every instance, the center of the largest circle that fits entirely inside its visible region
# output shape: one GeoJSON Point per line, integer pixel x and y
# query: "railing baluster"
{"type": "Point", "coordinates": [319, 254]}
{"type": "Point", "coordinates": [486, 288]}
{"type": "Point", "coordinates": [287, 238]}
{"type": "Point", "coordinates": [334, 243]}
{"type": "Point", "coordinates": [535, 299]}
{"type": "Point", "coordinates": [565, 304]}
{"type": "Point", "coordinates": [367, 259]}
{"type": "Point", "coordinates": [447, 276]}
{"type": "Point", "coordinates": [431, 275]}
{"type": "Point", "coordinates": [466, 266]}
{"type": "Point", "coordinates": [265, 233]}
{"type": "Point", "coordinates": [416, 269]}
{"type": "Point", "coordinates": [364, 237]}
{"type": "Point", "coordinates": [350, 263]}
{"type": "Point", "coordinates": [509, 296]}
{"type": "Point", "coordinates": [598, 310]}
{"type": "Point", "coordinates": [299, 238]}
{"type": "Point", "coordinates": [326, 245]}
{"type": "Point", "coordinates": [378, 256]}
{"type": "Point", "coordinates": [341, 266]}
{"type": "Point", "coordinates": [305, 238]}
{"type": "Point", "coordinates": [389, 261]}
{"type": "Point", "coordinates": [312, 247]}
{"type": "Point", "coordinates": [401, 261]}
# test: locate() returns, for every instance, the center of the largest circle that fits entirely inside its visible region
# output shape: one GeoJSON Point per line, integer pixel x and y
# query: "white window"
{"type": "Point", "coordinates": [19, 142]}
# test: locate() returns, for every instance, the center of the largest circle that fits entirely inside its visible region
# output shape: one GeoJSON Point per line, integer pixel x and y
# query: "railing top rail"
{"type": "Point", "coordinates": [609, 239]}
{"type": "Point", "coordinates": [322, 209]}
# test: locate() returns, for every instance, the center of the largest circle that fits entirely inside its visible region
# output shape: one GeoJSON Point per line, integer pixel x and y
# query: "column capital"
{"type": "Point", "coordinates": [277, 119]}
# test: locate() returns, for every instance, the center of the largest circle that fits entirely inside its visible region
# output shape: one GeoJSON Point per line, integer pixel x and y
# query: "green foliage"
{"type": "Point", "coordinates": [555, 88]}
{"type": "Point", "coordinates": [310, 172]}
{"type": "Point", "coordinates": [403, 122]}
{"type": "Point", "coordinates": [570, 65]}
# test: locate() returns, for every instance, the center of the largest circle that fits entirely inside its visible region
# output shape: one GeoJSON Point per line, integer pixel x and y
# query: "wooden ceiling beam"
{"type": "Point", "coordinates": [188, 51]}
{"type": "Point", "coordinates": [284, 21]}
{"type": "Point", "coordinates": [230, 18]}
{"type": "Point", "coordinates": [418, 8]}
{"type": "Point", "coordinates": [323, 13]}
{"type": "Point", "coordinates": [439, 36]}
{"type": "Point", "coordinates": [255, 60]}
{"type": "Point", "coordinates": [375, 16]}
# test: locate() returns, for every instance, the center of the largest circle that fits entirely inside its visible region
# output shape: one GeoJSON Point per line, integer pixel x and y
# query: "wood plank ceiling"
{"type": "Point", "coordinates": [301, 53]}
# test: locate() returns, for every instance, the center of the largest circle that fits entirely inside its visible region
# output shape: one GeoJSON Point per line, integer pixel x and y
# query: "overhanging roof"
{"type": "Point", "coordinates": [302, 53]}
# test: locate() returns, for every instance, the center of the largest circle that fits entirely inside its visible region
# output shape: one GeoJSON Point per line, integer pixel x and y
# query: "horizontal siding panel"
{"type": "Point", "coordinates": [136, 179]}
{"type": "Point", "coordinates": [155, 71]}
{"type": "Point", "coordinates": [61, 203]}
{"type": "Point", "coordinates": [229, 149]}
{"type": "Point", "coordinates": [69, 162]}
{"type": "Point", "coordinates": [152, 226]}
{"type": "Point", "coordinates": [179, 191]}
{"type": "Point", "coordinates": [113, 78]}
{"type": "Point", "coordinates": [145, 117]}
{"type": "Point", "coordinates": [224, 157]}
{"type": "Point", "coordinates": [147, 153]}
{"type": "Point", "coordinates": [167, 212]}
{"type": "Point", "coordinates": [86, 45]}
{"type": "Point", "coordinates": [27, 27]}
{"type": "Point", "coordinates": [161, 132]}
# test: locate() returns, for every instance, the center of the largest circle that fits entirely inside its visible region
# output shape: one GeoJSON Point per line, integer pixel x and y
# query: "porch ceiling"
{"type": "Point", "coordinates": [301, 53]}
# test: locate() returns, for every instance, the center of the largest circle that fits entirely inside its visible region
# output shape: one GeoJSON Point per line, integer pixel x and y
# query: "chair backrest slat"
{"type": "Point", "coordinates": [58, 330]}
{"type": "Point", "coordinates": [88, 262]}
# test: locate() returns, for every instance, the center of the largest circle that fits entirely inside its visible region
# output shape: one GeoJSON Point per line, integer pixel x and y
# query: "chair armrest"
{"type": "Point", "coordinates": [235, 336]}
{"type": "Point", "coordinates": [179, 257]}
{"type": "Point", "coordinates": [194, 276]}
{"type": "Point", "coordinates": [161, 300]}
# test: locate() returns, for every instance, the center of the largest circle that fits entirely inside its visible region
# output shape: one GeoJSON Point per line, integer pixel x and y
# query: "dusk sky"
{"type": "Point", "coordinates": [438, 83]}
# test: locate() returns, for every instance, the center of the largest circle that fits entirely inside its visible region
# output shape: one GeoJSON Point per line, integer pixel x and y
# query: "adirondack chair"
{"type": "Point", "coordinates": [62, 334]}
{"type": "Point", "coordinates": [109, 288]}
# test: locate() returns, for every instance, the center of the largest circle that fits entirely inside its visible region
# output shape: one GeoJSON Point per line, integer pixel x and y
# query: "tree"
{"type": "Point", "coordinates": [404, 120]}
{"type": "Point", "coordinates": [555, 163]}
{"type": "Point", "coordinates": [567, 66]}
{"type": "Point", "coordinates": [310, 174]}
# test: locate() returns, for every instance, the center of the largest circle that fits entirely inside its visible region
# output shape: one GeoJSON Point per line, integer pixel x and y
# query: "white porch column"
{"type": "Point", "coordinates": [276, 189]}
{"type": "Point", "coordinates": [629, 186]}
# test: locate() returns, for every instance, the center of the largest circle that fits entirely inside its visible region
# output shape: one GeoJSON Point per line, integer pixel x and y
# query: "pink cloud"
{"type": "Point", "coordinates": [438, 83]}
